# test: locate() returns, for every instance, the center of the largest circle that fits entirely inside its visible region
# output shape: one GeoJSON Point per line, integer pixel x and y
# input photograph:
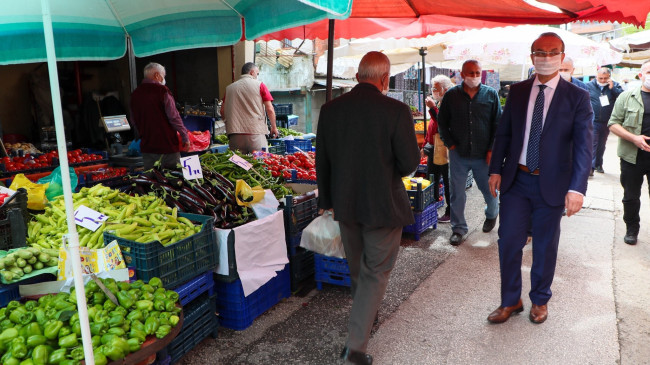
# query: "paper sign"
{"type": "Point", "coordinates": [604, 101]}
{"type": "Point", "coordinates": [191, 167]}
{"type": "Point", "coordinates": [92, 261]}
{"type": "Point", "coordinates": [88, 218]}
{"type": "Point", "coordinates": [240, 162]}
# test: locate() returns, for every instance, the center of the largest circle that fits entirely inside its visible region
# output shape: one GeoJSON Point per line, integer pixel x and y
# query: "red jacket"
{"type": "Point", "coordinates": [432, 128]}
{"type": "Point", "coordinates": [149, 116]}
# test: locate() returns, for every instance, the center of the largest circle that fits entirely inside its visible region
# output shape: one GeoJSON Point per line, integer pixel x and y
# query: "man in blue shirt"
{"type": "Point", "coordinates": [566, 71]}
{"type": "Point", "coordinates": [467, 122]}
{"type": "Point", "coordinates": [603, 92]}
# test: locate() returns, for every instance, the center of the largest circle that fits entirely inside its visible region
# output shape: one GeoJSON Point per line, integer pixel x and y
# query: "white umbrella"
{"type": "Point", "coordinates": [511, 46]}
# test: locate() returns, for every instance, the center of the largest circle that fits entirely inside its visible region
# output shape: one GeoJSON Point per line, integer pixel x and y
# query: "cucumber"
{"type": "Point", "coordinates": [32, 260]}
{"type": "Point", "coordinates": [9, 260]}
{"type": "Point", "coordinates": [7, 275]}
{"type": "Point", "coordinates": [24, 254]}
{"type": "Point", "coordinates": [38, 265]}
{"type": "Point", "coordinates": [34, 250]}
{"type": "Point", "coordinates": [43, 257]}
{"type": "Point", "coordinates": [20, 262]}
{"type": "Point", "coordinates": [27, 269]}
{"type": "Point", "coordinates": [17, 271]}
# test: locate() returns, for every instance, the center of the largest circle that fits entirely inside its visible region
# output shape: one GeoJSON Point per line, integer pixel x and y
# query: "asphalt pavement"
{"type": "Point", "coordinates": [439, 297]}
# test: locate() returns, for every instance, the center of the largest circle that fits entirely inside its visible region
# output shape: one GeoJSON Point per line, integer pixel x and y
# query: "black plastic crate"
{"type": "Point", "coordinates": [283, 109]}
{"type": "Point", "coordinates": [13, 221]}
{"type": "Point", "coordinates": [232, 262]}
{"type": "Point", "coordinates": [298, 214]}
{"type": "Point", "coordinates": [176, 263]}
{"type": "Point", "coordinates": [302, 267]}
{"type": "Point", "coordinates": [421, 197]}
{"type": "Point", "coordinates": [200, 322]}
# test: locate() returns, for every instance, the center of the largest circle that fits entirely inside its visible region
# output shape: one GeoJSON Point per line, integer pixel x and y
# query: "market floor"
{"type": "Point", "coordinates": [439, 297]}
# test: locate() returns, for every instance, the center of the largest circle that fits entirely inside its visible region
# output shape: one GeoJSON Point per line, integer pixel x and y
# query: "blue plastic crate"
{"type": "Point", "coordinates": [295, 144]}
{"type": "Point", "coordinates": [293, 243]}
{"type": "Point", "coordinates": [219, 148]}
{"type": "Point", "coordinates": [331, 270]}
{"type": "Point", "coordinates": [200, 322]}
{"type": "Point", "coordinates": [11, 292]}
{"type": "Point", "coordinates": [237, 312]}
{"type": "Point", "coordinates": [302, 267]}
{"type": "Point", "coordinates": [195, 287]}
{"type": "Point", "coordinates": [176, 263]}
{"type": "Point", "coordinates": [294, 179]}
{"type": "Point", "coordinates": [286, 121]}
{"type": "Point", "coordinates": [423, 221]}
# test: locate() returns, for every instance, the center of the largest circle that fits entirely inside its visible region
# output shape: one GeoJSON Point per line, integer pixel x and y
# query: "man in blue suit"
{"type": "Point", "coordinates": [541, 160]}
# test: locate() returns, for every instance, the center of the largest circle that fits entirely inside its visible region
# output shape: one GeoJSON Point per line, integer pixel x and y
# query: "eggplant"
{"type": "Point", "coordinates": [223, 181]}
{"type": "Point", "coordinates": [205, 194]}
{"type": "Point", "coordinates": [189, 206]}
{"type": "Point", "coordinates": [230, 198]}
{"type": "Point", "coordinates": [159, 177]}
{"type": "Point", "coordinates": [143, 180]}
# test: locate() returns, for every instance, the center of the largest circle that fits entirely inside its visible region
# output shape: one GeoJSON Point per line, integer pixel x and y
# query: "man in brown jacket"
{"type": "Point", "coordinates": [365, 144]}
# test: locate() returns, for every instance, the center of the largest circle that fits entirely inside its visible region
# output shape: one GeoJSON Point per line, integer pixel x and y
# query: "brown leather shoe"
{"type": "Point", "coordinates": [538, 313]}
{"type": "Point", "coordinates": [502, 314]}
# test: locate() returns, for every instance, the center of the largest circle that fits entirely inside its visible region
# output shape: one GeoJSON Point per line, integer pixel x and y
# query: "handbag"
{"type": "Point", "coordinates": [440, 152]}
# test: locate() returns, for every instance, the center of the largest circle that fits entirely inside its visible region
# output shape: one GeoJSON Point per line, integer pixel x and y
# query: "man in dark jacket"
{"type": "Point", "coordinates": [154, 113]}
{"type": "Point", "coordinates": [366, 143]}
{"type": "Point", "coordinates": [603, 92]}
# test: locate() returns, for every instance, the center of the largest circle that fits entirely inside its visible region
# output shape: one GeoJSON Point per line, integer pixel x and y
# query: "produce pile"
{"type": "Point", "coordinates": [106, 173]}
{"type": "Point", "coordinates": [21, 146]}
{"type": "Point", "coordinates": [288, 132]}
{"type": "Point", "coordinates": [23, 261]}
{"type": "Point", "coordinates": [222, 138]}
{"type": "Point", "coordinates": [302, 162]}
{"type": "Point", "coordinates": [213, 195]}
{"type": "Point", "coordinates": [258, 175]}
{"type": "Point", "coordinates": [48, 331]}
{"type": "Point", "coordinates": [137, 218]}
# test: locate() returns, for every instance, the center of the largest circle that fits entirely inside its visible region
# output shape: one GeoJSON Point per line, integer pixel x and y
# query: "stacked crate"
{"type": "Point", "coordinates": [425, 209]}
{"type": "Point", "coordinates": [284, 116]}
{"type": "Point", "coordinates": [298, 214]}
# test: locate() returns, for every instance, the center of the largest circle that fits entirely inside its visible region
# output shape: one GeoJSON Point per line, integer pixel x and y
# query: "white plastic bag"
{"type": "Point", "coordinates": [323, 236]}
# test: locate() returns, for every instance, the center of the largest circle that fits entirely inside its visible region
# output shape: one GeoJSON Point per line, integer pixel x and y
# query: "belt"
{"type": "Point", "coordinates": [524, 168]}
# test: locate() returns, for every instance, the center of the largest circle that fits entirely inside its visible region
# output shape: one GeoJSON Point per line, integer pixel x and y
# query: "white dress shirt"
{"type": "Point", "coordinates": [549, 91]}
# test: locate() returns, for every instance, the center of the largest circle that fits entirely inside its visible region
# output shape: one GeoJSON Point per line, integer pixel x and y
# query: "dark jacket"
{"type": "Point", "coordinates": [469, 124]}
{"type": "Point", "coordinates": [565, 145]}
{"type": "Point", "coordinates": [148, 114]}
{"type": "Point", "coordinates": [602, 113]}
{"type": "Point", "coordinates": [364, 145]}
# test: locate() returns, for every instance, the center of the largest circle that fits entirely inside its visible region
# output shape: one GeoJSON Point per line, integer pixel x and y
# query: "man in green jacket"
{"type": "Point", "coordinates": [630, 121]}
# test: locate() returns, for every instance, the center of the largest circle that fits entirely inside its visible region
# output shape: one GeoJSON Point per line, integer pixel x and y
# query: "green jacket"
{"type": "Point", "coordinates": [628, 112]}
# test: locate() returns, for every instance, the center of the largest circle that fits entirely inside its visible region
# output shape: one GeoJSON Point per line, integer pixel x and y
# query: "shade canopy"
{"type": "Point", "coordinates": [97, 29]}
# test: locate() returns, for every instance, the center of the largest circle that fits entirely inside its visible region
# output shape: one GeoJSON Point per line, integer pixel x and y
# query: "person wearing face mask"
{"type": "Point", "coordinates": [566, 71]}
{"type": "Point", "coordinates": [603, 92]}
{"type": "Point", "coordinates": [153, 111]}
{"type": "Point", "coordinates": [540, 165]}
{"type": "Point", "coordinates": [435, 150]}
{"type": "Point", "coordinates": [467, 122]}
{"type": "Point", "coordinates": [246, 104]}
{"type": "Point", "coordinates": [361, 183]}
{"type": "Point", "coordinates": [630, 121]}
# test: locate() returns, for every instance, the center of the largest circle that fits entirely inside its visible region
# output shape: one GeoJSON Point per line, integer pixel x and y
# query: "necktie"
{"type": "Point", "coordinates": [532, 155]}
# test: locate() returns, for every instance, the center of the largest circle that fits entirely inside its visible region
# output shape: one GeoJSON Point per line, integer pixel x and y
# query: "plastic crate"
{"type": "Point", "coordinates": [297, 144]}
{"type": "Point", "coordinates": [286, 121]}
{"type": "Point", "coordinates": [11, 292]}
{"type": "Point", "coordinates": [298, 215]}
{"type": "Point", "coordinates": [165, 361]}
{"type": "Point", "coordinates": [422, 169]}
{"type": "Point", "coordinates": [278, 149]}
{"type": "Point", "coordinates": [302, 267]}
{"type": "Point", "coordinates": [200, 322]}
{"type": "Point", "coordinates": [195, 287]}
{"type": "Point", "coordinates": [237, 312]}
{"type": "Point", "coordinates": [13, 221]}
{"type": "Point", "coordinates": [423, 220]}
{"type": "Point", "coordinates": [219, 149]}
{"type": "Point", "coordinates": [283, 109]}
{"type": "Point", "coordinates": [331, 270]}
{"type": "Point", "coordinates": [421, 198]}
{"type": "Point", "coordinates": [294, 179]}
{"type": "Point", "coordinates": [293, 243]}
{"type": "Point", "coordinates": [232, 262]}
{"type": "Point", "coordinates": [176, 263]}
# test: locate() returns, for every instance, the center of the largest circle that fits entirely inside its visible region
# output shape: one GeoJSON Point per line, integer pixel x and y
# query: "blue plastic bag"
{"type": "Point", "coordinates": [134, 148]}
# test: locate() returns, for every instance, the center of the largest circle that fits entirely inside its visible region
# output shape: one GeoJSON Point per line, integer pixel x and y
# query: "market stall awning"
{"type": "Point", "coordinates": [632, 12]}
{"type": "Point", "coordinates": [98, 29]}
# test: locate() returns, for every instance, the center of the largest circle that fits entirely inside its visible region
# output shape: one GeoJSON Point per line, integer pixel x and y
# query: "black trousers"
{"type": "Point", "coordinates": [439, 171]}
{"type": "Point", "coordinates": [632, 180]}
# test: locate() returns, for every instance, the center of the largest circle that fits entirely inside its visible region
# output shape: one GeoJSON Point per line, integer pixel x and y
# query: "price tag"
{"type": "Point", "coordinates": [191, 167]}
{"type": "Point", "coordinates": [240, 162]}
{"type": "Point", "coordinates": [88, 218]}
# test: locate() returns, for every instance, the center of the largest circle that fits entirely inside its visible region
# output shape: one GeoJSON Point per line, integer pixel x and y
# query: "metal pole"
{"type": "Point", "coordinates": [423, 52]}
{"type": "Point", "coordinates": [132, 71]}
{"type": "Point", "coordinates": [330, 60]}
{"type": "Point", "coordinates": [73, 236]}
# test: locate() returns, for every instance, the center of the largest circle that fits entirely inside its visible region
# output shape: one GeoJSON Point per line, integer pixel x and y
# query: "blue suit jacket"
{"type": "Point", "coordinates": [565, 144]}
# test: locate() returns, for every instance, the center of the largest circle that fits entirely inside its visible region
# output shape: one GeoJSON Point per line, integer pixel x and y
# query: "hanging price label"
{"type": "Point", "coordinates": [240, 162]}
{"type": "Point", "coordinates": [191, 167]}
{"type": "Point", "coordinates": [88, 218]}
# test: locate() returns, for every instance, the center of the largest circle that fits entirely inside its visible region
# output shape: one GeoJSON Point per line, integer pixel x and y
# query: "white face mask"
{"type": "Point", "coordinates": [164, 82]}
{"type": "Point", "coordinates": [547, 65]}
{"type": "Point", "coordinates": [436, 96]}
{"type": "Point", "coordinates": [566, 76]}
{"type": "Point", "coordinates": [646, 82]}
{"type": "Point", "coordinates": [472, 82]}
{"type": "Point", "coordinates": [602, 84]}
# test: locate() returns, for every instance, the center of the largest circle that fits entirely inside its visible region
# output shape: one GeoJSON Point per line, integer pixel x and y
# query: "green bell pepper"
{"type": "Point", "coordinates": [120, 310]}
{"type": "Point", "coordinates": [126, 326]}
{"type": "Point", "coordinates": [117, 331]}
{"type": "Point", "coordinates": [44, 300]}
{"type": "Point", "coordinates": [135, 293]}
{"type": "Point", "coordinates": [39, 315]}
{"type": "Point", "coordinates": [99, 297]}
{"type": "Point", "coordinates": [120, 343]}
{"type": "Point", "coordinates": [91, 312]}
{"type": "Point", "coordinates": [35, 340]}
{"type": "Point", "coordinates": [98, 328]}
{"type": "Point", "coordinates": [170, 294]}
{"type": "Point", "coordinates": [153, 313]}
{"type": "Point", "coordinates": [159, 305]}
{"type": "Point", "coordinates": [134, 344]}
{"type": "Point", "coordinates": [18, 349]}
{"type": "Point", "coordinates": [135, 315]}
{"type": "Point", "coordinates": [68, 341]}
{"type": "Point", "coordinates": [40, 355]}
{"type": "Point", "coordinates": [100, 358]}
{"type": "Point", "coordinates": [69, 362]}
{"type": "Point", "coordinates": [125, 299]}
{"type": "Point", "coordinates": [27, 362]}
{"type": "Point", "coordinates": [137, 325]}
{"type": "Point", "coordinates": [123, 285]}
{"type": "Point", "coordinates": [173, 320]}
{"type": "Point", "coordinates": [96, 341]}
{"type": "Point", "coordinates": [91, 287]}
{"type": "Point", "coordinates": [163, 330]}
{"type": "Point", "coordinates": [170, 304]}
{"type": "Point", "coordinates": [109, 306]}
{"type": "Point", "coordinates": [75, 318]}
{"type": "Point", "coordinates": [146, 296]}
{"type": "Point", "coordinates": [156, 282]}
{"type": "Point", "coordinates": [8, 335]}
{"type": "Point", "coordinates": [137, 284]}
{"type": "Point", "coordinates": [57, 356]}
{"type": "Point", "coordinates": [146, 288]}
{"type": "Point", "coordinates": [33, 328]}
{"type": "Point", "coordinates": [151, 324]}
{"type": "Point", "coordinates": [137, 334]}
{"type": "Point", "coordinates": [10, 360]}
{"type": "Point", "coordinates": [77, 353]}
{"type": "Point", "coordinates": [65, 330]}
{"type": "Point", "coordinates": [76, 328]}
{"type": "Point", "coordinates": [159, 295]}
{"type": "Point", "coordinates": [164, 320]}
{"type": "Point", "coordinates": [6, 323]}
{"type": "Point", "coordinates": [116, 320]}
{"type": "Point", "coordinates": [144, 305]}
{"type": "Point", "coordinates": [30, 305]}
{"type": "Point", "coordinates": [21, 316]}
{"type": "Point", "coordinates": [101, 316]}
{"type": "Point", "coordinates": [106, 338]}
{"type": "Point", "coordinates": [13, 305]}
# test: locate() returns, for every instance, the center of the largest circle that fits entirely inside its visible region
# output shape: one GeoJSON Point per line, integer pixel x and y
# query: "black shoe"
{"type": "Point", "coordinates": [489, 224]}
{"type": "Point", "coordinates": [591, 173]}
{"type": "Point", "coordinates": [600, 169]}
{"type": "Point", "coordinates": [456, 239]}
{"type": "Point", "coordinates": [356, 357]}
{"type": "Point", "coordinates": [630, 238]}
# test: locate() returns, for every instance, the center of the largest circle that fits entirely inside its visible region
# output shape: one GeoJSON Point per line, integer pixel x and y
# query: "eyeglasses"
{"type": "Point", "coordinates": [546, 54]}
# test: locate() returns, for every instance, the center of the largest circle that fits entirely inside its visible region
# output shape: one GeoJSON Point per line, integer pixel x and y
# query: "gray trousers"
{"type": "Point", "coordinates": [168, 160]}
{"type": "Point", "coordinates": [371, 253]}
{"type": "Point", "coordinates": [247, 143]}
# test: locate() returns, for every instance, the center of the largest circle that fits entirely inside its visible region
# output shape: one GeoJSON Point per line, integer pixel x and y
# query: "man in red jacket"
{"type": "Point", "coordinates": [154, 113]}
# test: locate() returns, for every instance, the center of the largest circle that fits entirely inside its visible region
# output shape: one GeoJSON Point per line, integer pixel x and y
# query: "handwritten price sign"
{"type": "Point", "coordinates": [240, 162]}
{"type": "Point", "coordinates": [88, 218]}
{"type": "Point", "coordinates": [191, 167]}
